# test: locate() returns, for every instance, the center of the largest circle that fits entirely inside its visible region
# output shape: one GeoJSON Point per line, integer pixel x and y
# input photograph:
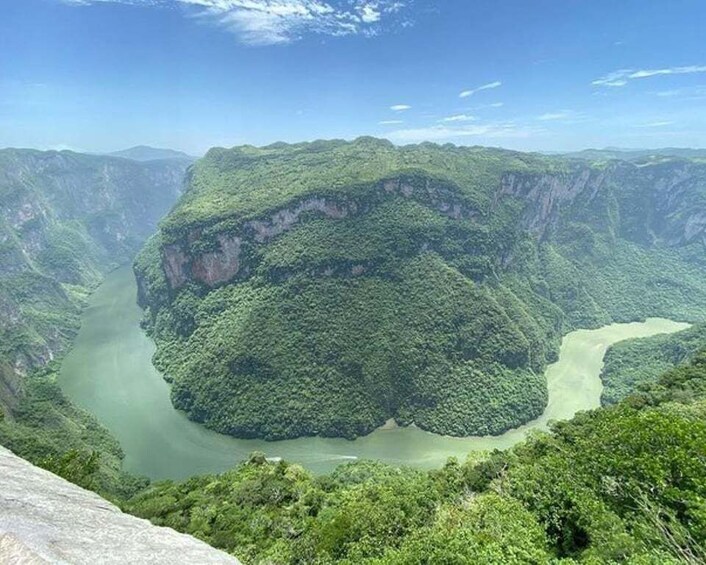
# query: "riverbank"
{"type": "Point", "coordinates": [109, 372]}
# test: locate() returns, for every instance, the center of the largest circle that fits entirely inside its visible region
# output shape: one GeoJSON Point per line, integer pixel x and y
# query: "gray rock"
{"type": "Point", "coordinates": [45, 519]}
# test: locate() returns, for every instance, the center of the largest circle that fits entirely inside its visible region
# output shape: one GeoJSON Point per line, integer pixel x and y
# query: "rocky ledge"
{"type": "Point", "coordinates": [45, 519]}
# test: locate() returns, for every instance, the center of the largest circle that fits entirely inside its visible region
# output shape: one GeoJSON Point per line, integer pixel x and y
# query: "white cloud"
{"type": "Point", "coordinates": [690, 92]}
{"type": "Point", "coordinates": [655, 124]}
{"type": "Point", "coordinates": [458, 118]}
{"type": "Point", "coordinates": [489, 86]}
{"type": "Point", "coordinates": [623, 76]}
{"type": "Point", "coordinates": [446, 132]}
{"type": "Point", "coordinates": [553, 116]}
{"type": "Point", "coordinates": [269, 22]}
{"type": "Point", "coordinates": [390, 122]}
{"type": "Point", "coordinates": [400, 107]}
{"type": "Point", "coordinates": [369, 13]}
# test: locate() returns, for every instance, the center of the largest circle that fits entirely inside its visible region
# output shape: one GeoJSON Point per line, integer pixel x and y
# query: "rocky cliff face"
{"type": "Point", "coordinates": [185, 261]}
{"type": "Point", "coordinates": [66, 218]}
{"type": "Point", "coordinates": [671, 193]}
{"type": "Point", "coordinates": [45, 519]}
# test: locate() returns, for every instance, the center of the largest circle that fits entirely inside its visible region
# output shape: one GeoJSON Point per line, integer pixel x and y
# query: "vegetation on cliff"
{"type": "Point", "coordinates": [65, 220]}
{"type": "Point", "coordinates": [322, 288]}
{"type": "Point", "coordinates": [634, 363]}
{"type": "Point", "coordinates": [625, 483]}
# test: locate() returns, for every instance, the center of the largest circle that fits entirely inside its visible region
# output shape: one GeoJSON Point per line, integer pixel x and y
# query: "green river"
{"type": "Point", "coordinates": [109, 373]}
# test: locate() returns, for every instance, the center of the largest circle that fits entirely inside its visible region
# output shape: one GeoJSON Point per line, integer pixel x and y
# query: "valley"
{"type": "Point", "coordinates": [109, 373]}
{"type": "Point", "coordinates": [353, 282]}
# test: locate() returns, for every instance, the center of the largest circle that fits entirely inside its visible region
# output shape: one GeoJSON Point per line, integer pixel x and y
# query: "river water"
{"type": "Point", "coordinates": [109, 373]}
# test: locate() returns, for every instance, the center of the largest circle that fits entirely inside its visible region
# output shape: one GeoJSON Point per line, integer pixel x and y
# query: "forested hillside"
{"type": "Point", "coordinates": [322, 288]}
{"type": "Point", "coordinates": [623, 484]}
{"type": "Point", "coordinates": [65, 220]}
{"type": "Point", "coordinates": [633, 363]}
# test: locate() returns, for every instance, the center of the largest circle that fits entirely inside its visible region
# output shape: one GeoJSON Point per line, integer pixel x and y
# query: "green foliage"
{"type": "Point", "coordinates": [487, 529]}
{"type": "Point", "coordinates": [339, 356]}
{"type": "Point", "coordinates": [429, 284]}
{"type": "Point", "coordinates": [76, 467]}
{"type": "Point", "coordinates": [619, 484]}
{"type": "Point", "coordinates": [632, 363]}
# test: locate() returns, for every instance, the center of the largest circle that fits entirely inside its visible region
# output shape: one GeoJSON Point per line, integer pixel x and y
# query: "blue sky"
{"type": "Point", "coordinates": [100, 75]}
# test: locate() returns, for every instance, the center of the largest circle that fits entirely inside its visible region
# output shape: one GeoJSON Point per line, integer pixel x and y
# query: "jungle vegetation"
{"type": "Point", "coordinates": [620, 484]}
{"type": "Point", "coordinates": [66, 219]}
{"type": "Point", "coordinates": [434, 290]}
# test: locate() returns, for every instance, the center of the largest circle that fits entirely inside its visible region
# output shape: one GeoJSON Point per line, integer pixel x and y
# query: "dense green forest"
{"type": "Point", "coordinates": [323, 288]}
{"type": "Point", "coordinates": [630, 364]}
{"type": "Point", "coordinates": [625, 483]}
{"type": "Point", "coordinates": [66, 219]}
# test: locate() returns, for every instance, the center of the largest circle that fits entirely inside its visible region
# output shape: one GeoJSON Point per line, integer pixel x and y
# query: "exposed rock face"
{"type": "Point", "coordinates": [45, 519]}
{"type": "Point", "coordinates": [545, 195]}
{"type": "Point", "coordinates": [667, 196]}
{"type": "Point", "coordinates": [224, 263]}
{"type": "Point", "coordinates": [545, 198]}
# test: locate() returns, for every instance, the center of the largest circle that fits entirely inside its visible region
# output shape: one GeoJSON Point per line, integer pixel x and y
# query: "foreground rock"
{"type": "Point", "coordinates": [45, 519]}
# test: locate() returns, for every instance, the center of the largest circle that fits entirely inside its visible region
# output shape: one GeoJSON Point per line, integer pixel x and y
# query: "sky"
{"type": "Point", "coordinates": [538, 75]}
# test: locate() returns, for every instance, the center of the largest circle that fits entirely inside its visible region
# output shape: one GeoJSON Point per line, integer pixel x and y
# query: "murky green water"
{"type": "Point", "coordinates": [109, 373]}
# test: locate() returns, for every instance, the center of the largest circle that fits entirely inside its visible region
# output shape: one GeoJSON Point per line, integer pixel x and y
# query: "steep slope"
{"type": "Point", "coordinates": [636, 363]}
{"type": "Point", "coordinates": [65, 220]}
{"type": "Point", "coordinates": [322, 288]}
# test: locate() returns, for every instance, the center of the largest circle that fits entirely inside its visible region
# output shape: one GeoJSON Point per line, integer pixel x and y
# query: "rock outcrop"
{"type": "Point", "coordinates": [223, 263]}
{"type": "Point", "coordinates": [45, 519]}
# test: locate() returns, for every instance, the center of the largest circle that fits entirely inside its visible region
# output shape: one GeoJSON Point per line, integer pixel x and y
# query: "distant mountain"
{"type": "Point", "coordinates": [146, 153]}
{"type": "Point", "coordinates": [635, 154]}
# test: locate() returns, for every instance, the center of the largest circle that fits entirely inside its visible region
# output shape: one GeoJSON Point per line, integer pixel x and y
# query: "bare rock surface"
{"type": "Point", "coordinates": [45, 519]}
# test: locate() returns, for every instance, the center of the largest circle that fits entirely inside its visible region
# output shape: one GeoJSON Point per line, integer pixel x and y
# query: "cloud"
{"type": "Point", "coordinates": [689, 92]}
{"type": "Point", "coordinates": [400, 107]}
{"type": "Point", "coordinates": [271, 22]}
{"type": "Point", "coordinates": [490, 85]}
{"type": "Point", "coordinates": [458, 118]}
{"type": "Point", "coordinates": [390, 122]}
{"type": "Point", "coordinates": [370, 13]}
{"type": "Point", "coordinates": [654, 124]}
{"type": "Point", "coordinates": [553, 116]}
{"type": "Point", "coordinates": [623, 76]}
{"type": "Point", "coordinates": [446, 132]}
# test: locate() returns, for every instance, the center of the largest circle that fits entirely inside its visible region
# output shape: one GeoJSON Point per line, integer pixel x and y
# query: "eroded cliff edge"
{"type": "Point", "coordinates": [45, 519]}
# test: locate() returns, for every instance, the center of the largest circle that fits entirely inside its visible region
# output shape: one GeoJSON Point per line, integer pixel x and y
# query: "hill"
{"type": "Point", "coordinates": [322, 288]}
